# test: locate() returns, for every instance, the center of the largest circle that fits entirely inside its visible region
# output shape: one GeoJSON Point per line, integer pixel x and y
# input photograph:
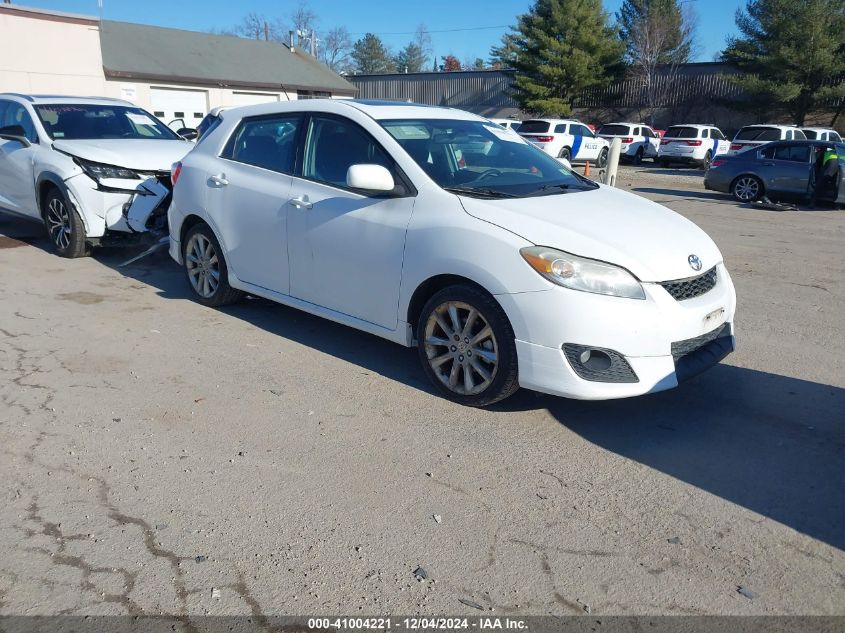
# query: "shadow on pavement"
{"type": "Point", "coordinates": [769, 443]}
{"type": "Point", "coordinates": [686, 193]}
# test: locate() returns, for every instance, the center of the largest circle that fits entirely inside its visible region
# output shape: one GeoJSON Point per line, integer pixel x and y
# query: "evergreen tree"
{"type": "Point", "coordinates": [371, 57]}
{"type": "Point", "coordinates": [559, 49]}
{"type": "Point", "coordinates": [792, 55]}
{"type": "Point", "coordinates": [410, 59]}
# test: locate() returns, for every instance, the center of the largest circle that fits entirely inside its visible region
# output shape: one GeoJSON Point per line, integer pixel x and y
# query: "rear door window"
{"type": "Point", "coordinates": [792, 153]}
{"type": "Point", "coordinates": [266, 142]}
{"type": "Point", "coordinates": [534, 127]}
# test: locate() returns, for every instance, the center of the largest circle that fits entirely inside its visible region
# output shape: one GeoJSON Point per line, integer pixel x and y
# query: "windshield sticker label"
{"type": "Point", "coordinates": [140, 119]}
{"type": "Point", "coordinates": [503, 134]}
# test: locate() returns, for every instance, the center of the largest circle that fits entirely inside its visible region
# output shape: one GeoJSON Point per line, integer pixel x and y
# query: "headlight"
{"type": "Point", "coordinates": [579, 273]}
{"type": "Point", "coordinates": [98, 171]}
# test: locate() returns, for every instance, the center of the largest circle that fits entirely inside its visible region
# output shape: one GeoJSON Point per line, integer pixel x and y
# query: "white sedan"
{"type": "Point", "coordinates": [504, 268]}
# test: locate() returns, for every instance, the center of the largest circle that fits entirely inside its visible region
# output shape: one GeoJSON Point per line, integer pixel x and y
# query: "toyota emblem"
{"type": "Point", "coordinates": [694, 262]}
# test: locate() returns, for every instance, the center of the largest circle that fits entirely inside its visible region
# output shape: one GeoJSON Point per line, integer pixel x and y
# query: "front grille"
{"type": "Point", "coordinates": [617, 370]}
{"type": "Point", "coordinates": [682, 348]}
{"type": "Point", "coordinates": [692, 287]}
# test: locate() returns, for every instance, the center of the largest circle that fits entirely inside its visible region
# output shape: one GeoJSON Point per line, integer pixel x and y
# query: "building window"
{"type": "Point", "coordinates": [198, 115]}
{"type": "Point", "coordinates": [179, 115]}
{"type": "Point", "coordinates": [313, 94]}
{"type": "Point", "coordinates": [159, 113]}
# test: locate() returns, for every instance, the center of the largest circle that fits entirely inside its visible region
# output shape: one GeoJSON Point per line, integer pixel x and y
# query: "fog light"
{"type": "Point", "coordinates": [598, 364]}
{"type": "Point", "coordinates": [596, 360]}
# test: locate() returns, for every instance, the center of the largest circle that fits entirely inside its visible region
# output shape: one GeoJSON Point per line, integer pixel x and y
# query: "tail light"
{"type": "Point", "coordinates": [717, 163]}
{"type": "Point", "coordinates": [627, 140]}
{"type": "Point", "coordinates": [544, 139]}
{"type": "Point", "coordinates": [665, 141]}
{"type": "Point", "coordinates": [736, 146]}
{"type": "Point", "coordinates": [694, 143]}
{"type": "Point", "coordinates": [175, 170]}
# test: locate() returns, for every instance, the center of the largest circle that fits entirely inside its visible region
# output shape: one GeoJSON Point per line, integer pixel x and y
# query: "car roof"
{"type": "Point", "coordinates": [698, 125]}
{"type": "Point", "coordinates": [780, 126]}
{"type": "Point", "coordinates": [820, 129]}
{"type": "Point", "coordinates": [375, 109]}
{"type": "Point", "coordinates": [555, 121]}
{"type": "Point", "coordinates": [62, 99]}
{"type": "Point", "coordinates": [628, 123]}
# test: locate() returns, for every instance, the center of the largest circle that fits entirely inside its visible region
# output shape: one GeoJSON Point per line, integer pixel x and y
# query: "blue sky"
{"type": "Point", "coordinates": [387, 18]}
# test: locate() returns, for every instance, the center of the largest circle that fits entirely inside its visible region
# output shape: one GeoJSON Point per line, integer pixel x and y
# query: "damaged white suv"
{"type": "Point", "coordinates": [80, 164]}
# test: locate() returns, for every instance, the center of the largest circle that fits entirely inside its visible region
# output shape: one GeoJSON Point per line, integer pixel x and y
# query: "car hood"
{"type": "Point", "coordinates": [137, 154]}
{"type": "Point", "coordinates": [651, 241]}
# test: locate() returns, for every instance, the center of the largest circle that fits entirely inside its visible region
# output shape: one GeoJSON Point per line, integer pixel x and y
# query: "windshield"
{"type": "Point", "coordinates": [85, 121]}
{"type": "Point", "coordinates": [615, 130]}
{"type": "Point", "coordinates": [681, 132]}
{"type": "Point", "coordinates": [481, 158]}
{"type": "Point", "coordinates": [758, 134]}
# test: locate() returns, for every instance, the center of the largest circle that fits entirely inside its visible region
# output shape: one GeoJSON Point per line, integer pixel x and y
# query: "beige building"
{"type": "Point", "coordinates": [173, 73]}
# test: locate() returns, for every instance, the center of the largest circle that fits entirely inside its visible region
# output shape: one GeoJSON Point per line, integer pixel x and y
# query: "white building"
{"type": "Point", "coordinates": [172, 73]}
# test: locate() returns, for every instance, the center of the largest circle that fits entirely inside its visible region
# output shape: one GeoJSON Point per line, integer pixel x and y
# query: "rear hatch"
{"type": "Point", "coordinates": [753, 136]}
{"type": "Point", "coordinates": [680, 139]}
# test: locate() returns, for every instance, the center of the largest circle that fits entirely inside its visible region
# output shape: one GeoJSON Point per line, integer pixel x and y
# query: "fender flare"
{"type": "Point", "coordinates": [58, 182]}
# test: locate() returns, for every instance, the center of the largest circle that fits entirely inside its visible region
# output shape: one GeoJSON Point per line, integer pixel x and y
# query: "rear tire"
{"type": "Point", "coordinates": [747, 188]}
{"type": "Point", "coordinates": [566, 154]}
{"type": "Point", "coordinates": [205, 268]}
{"type": "Point", "coordinates": [708, 158]}
{"type": "Point", "coordinates": [638, 157]}
{"type": "Point", "coordinates": [64, 226]}
{"type": "Point", "coordinates": [467, 347]}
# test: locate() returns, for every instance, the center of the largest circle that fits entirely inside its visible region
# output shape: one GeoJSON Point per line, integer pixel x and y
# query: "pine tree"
{"type": "Point", "coordinates": [371, 56]}
{"type": "Point", "coordinates": [559, 49]}
{"type": "Point", "coordinates": [792, 55]}
{"type": "Point", "coordinates": [410, 59]}
{"type": "Point", "coordinates": [655, 29]}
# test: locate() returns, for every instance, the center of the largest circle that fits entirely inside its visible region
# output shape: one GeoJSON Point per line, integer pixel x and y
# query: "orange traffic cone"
{"type": "Point", "coordinates": [587, 168]}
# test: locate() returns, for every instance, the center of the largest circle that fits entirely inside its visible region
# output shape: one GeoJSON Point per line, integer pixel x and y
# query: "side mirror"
{"type": "Point", "coordinates": [369, 178]}
{"type": "Point", "coordinates": [188, 133]}
{"type": "Point", "coordinates": [565, 163]}
{"type": "Point", "coordinates": [15, 133]}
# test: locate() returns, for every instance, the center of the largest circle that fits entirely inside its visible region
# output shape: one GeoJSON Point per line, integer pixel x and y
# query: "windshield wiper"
{"type": "Point", "coordinates": [564, 187]}
{"type": "Point", "coordinates": [479, 193]}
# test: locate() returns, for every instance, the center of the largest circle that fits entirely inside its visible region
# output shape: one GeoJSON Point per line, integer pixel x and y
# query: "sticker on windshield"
{"type": "Point", "coordinates": [140, 119]}
{"type": "Point", "coordinates": [504, 134]}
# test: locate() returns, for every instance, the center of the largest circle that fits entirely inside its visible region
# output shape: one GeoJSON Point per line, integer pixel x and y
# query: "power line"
{"type": "Point", "coordinates": [472, 28]}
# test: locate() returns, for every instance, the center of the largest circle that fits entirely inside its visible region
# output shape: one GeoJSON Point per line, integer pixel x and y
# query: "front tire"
{"type": "Point", "coordinates": [601, 161]}
{"type": "Point", "coordinates": [747, 189]}
{"type": "Point", "coordinates": [466, 346]}
{"type": "Point", "coordinates": [64, 226]}
{"type": "Point", "coordinates": [708, 158]}
{"type": "Point", "coordinates": [638, 157]}
{"type": "Point", "coordinates": [206, 268]}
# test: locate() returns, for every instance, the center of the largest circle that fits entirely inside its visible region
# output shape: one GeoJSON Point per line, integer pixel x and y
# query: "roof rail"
{"type": "Point", "coordinates": [107, 99]}
{"type": "Point", "coordinates": [17, 94]}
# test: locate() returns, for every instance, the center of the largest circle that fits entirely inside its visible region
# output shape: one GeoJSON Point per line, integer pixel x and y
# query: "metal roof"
{"type": "Point", "coordinates": [153, 53]}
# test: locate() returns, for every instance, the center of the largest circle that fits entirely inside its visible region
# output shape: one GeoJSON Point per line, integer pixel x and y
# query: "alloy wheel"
{"type": "Point", "coordinates": [58, 223]}
{"type": "Point", "coordinates": [461, 348]}
{"type": "Point", "coordinates": [203, 265]}
{"type": "Point", "coordinates": [747, 188]}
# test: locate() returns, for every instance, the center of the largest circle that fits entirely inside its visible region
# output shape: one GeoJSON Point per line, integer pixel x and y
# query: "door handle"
{"type": "Point", "coordinates": [301, 202]}
{"type": "Point", "coordinates": [219, 180]}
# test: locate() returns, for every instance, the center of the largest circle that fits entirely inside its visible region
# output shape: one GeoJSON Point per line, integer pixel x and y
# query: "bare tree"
{"type": "Point", "coordinates": [336, 49]}
{"type": "Point", "coordinates": [252, 26]}
{"type": "Point", "coordinates": [303, 21]}
{"type": "Point", "coordinates": [422, 40]}
{"type": "Point", "coordinates": [659, 36]}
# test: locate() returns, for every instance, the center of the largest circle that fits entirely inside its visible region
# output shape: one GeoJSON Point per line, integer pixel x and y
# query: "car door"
{"type": "Point", "coordinates": [17, 180]}
{"type": "Point", "coordinates": [346, 246]}
{"type": "Point", "coordinates": [787, 168]}
{"type": "Point", "coordinates": [248, 196]}
{"type": "Point", "coordinates": [721, 145]}
{"type": "Point", "coordinates": [652, 142]}
{"type": "Point", "coordinates": [585, 142]}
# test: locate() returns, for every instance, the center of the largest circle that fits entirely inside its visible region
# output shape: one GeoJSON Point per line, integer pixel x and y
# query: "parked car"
{"type": "Point", "coordinates": [779, 169]}
{"type": "Point", "coordinates": [567, 139]}
{"type": "Point", "coordinates": [821, 134]}
{"type": "Point", "coordinates": [756, 135]}
{"type": "Point", "coordinates": [76, 164]}
{"type": "Point", "coordinates": [692, 143]}
{"type": "Point", "coordinates": [508, 270]}
{"type": "Point", "coordinates": [638, 141]}
{"type": "Point", "coordinates": [510, 124]}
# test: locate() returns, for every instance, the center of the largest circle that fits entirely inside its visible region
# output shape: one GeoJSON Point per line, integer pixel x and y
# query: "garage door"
{"type": "Point", "coordinates": [171, 105]}
{"type": "Point", "coordinates": [252, 98]}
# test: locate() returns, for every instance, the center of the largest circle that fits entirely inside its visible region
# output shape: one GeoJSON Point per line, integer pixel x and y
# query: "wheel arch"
{"type": "Point", "coordinates": [425, 290]}
{"type": "Point", "coordinates": [48, 180]}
